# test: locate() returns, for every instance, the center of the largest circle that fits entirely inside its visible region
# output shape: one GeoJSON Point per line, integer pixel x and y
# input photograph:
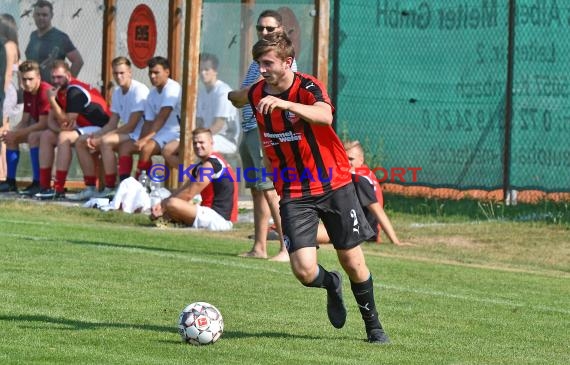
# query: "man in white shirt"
{"type": "Point", "coordinates": [127, 108]}
{"type": "Point", "coordinates": [213, 111]}
{"type": "Point", "coordinates": [161, 114]}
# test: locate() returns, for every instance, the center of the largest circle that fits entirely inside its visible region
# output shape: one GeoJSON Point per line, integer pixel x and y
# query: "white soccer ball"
{"type": "Point", "coordinates": [200, 323]}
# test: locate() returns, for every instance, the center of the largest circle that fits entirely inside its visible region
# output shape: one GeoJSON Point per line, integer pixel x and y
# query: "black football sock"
{"type": "Point", "coordinates": [364, 295]}
{"type": "Point", "coordinates": [324, 279]}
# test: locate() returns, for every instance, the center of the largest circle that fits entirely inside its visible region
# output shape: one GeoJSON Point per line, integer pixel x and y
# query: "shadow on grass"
{"type": "Point", "coordinates": [82, 325]}
{"type": "Point", "coordinates": [107, 244]}
{"type": "Point", "coordinates": [191, 249]}
{"type": "Point", "coordinates": [77, 325]}
{"type": "Point", "coordinates": [229, 335]}
{"type": "Point", "coordinates": [240, 334]}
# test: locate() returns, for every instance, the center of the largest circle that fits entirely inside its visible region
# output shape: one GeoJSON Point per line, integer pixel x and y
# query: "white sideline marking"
{"type": "Point", "coordinates": [155, 252]}
{"type": "Point", "coordinates": [440, 224]}
{"type": "Point", "coordinates": [503, 302]}
{"type": "Point", "coordinates": [225, 262]}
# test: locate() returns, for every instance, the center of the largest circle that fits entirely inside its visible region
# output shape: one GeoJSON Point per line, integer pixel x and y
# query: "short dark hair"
{"type": "Point", "coordinates": [205, 57]}
{"type": "Point", "coordinates": [44, 4]}
{"type": "Point", "coordinates": [158, 60]}
{"type": "Point", "coordinates": [269, 13]}
{"type": "Point", "coordinates": [276, 41]}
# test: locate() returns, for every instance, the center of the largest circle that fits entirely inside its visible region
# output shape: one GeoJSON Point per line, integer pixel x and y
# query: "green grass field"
{"type": "Point", "coordinates": [80, 286]}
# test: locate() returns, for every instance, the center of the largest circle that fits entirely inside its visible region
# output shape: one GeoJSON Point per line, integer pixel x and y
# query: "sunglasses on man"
{"type": "Point", "coordinates": [260, 28]}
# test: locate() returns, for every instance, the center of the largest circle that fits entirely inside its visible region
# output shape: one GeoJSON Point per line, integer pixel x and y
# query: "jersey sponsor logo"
{"type": "Point", "coordinates": [284, 137]}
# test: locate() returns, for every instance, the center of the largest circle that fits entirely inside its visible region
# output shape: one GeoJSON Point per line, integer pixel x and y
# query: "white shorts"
{"type": "Point", "coordinates": [11, 106]}
{"type": "Point", "coordinates": [163, 136]}
{"type": "Point", "coordinates": [87, 130]}
{"type": "Point", "coordinates": [209, 219]}
{"type": "Point", "coordinates": [136, 134]}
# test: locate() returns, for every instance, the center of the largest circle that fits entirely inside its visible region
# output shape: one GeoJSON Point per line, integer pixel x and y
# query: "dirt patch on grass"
{"type": "Point", "coordinates": [450, 241]}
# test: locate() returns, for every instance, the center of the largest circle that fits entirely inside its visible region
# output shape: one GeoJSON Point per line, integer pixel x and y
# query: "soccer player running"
{"type": "Point", "coordinates": [311, 174]}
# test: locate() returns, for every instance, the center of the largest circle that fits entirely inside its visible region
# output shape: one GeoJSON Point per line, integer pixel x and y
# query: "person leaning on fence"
{"type": "Point", "coordinates": [297, 104]}
{"type": "Point", "coordinates": [214, 180]}
{"type": "Point", "coordinates": [47, 43]}
{"type": "Point", "coordinates": [265, 199]}
{"type": "Point", "coordinates": [29, 129]}
{"type": "Point", "coordinates": [77, 110]}
{"type": "Point", "coordinates": [369, 195]}
{"type": "Point", "coordinates": [127, 112]}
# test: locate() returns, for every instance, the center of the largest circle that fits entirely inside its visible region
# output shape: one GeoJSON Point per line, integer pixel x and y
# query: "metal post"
{"type": "Point", "coordinates": [509, 100]}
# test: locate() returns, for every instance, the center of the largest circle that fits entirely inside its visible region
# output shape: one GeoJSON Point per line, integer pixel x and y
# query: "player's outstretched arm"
{"type": "Point", "coordinates": [317, 113]}
{"type": "Point", "coordinates": [239, 97]}
{"type": "Point", "coordinates": [385, 223]}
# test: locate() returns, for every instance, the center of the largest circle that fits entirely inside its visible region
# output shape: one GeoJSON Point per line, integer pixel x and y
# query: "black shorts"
{"type": "Point", "coordinates": [340, 212]}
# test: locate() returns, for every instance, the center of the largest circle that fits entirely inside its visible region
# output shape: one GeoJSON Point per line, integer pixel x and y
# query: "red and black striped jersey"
{"type": "Point", "coordinates": [306, 159]}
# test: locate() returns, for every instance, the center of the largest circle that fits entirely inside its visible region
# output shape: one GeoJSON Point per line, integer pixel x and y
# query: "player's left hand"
{"type": "Point", "coordinates": [10, 137]}
{"type": "Point", "coordinates": [270, 102]}
{"type": "Point", "coordinates": [93, 142]}
{"type": "Point", "coordinates": [68, 125]}
{"type": "Point", "coordinates": [52, 93]}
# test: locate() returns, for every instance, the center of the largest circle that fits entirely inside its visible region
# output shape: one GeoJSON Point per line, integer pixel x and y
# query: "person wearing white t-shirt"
{"type": "Point", "coordinates": [161, 113]}
{"type": "Point", "coordinates": [213, 111]}
{"type": "Point", "coordinates": [127, 108]}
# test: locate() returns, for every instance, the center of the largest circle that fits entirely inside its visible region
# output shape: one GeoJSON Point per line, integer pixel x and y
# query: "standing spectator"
{"type": "Point", "coordinates": [77, 110]}
{"type": "Point", "coordinates": [33, 123]}
{"type": "Point", "coordinates": [298, 106]}
{"type": "Point", "coordinates": [265, 199]}
{"type": "Point", "coordinates": [214, 180]}
{"type": "Point", "coordinates": [48, 43]}
{"type": "Point", "coordinates": [11, 105]}
{"type": "Point", "coordinates": [3, 77]}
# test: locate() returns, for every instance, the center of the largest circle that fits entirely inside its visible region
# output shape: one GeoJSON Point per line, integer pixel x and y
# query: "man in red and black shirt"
{"type": "Point", "coordinates": [213, 178]}
{"type": "Point", "coordinates": [77, 110]}
{"type": "Point", "coordinates": [311, 173]}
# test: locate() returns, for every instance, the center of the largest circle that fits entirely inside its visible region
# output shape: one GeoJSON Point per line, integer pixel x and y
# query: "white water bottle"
{"type": "Point", "coordinates": [155, 197]}
{"type": "Point", "coordinates": [143, 179]}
